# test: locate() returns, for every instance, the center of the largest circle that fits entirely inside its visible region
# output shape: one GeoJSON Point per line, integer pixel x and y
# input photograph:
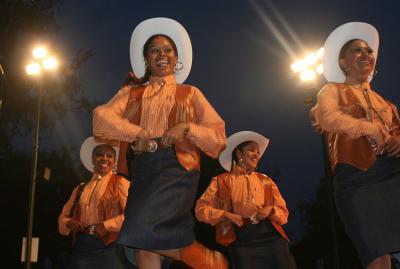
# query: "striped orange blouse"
{"type": "Point", "coordinates": [208, 132]}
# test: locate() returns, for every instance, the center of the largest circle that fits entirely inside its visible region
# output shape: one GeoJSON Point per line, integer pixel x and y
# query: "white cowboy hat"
{"type": "Point", "coordinates": [225, 157]}
{"type": "Point", "coordinates": [170, 28]}
{"type": "Point", "coordinates": [87, 150]}
{"type": "Point", "coordinates": [335, 42]}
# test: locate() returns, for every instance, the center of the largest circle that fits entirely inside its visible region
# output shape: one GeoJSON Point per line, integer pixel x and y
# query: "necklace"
{"type": "Point", "coordinates": [250, 195]}
{"type": "Point", "coordinates": [156, 92]}
{"type": "Point", "coordinates": [99, 177]}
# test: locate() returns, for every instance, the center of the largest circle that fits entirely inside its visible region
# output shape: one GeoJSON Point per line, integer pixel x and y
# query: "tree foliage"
{"type": "Point", "coordinates": [22, 24]}
{"type": "Point", "coordinates": [316, 247]}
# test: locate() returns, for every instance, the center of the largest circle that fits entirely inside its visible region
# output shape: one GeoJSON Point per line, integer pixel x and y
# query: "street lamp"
{"type": "Point", "coordinates": [40, 62]}
{"type": "Point", "coordinates": [309, 68]}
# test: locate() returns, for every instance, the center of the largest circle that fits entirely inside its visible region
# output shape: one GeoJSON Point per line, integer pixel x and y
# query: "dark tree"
{"type": "Point", "coordinates": [315, 249]}
{"type": "Point", "coordinates": [22, 23]}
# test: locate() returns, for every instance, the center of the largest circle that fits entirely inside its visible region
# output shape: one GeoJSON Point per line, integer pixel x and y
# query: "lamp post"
{"type": "Point", "coordinates": [35, 69]}
{"type": "Point", "coordinates": [309, 68]}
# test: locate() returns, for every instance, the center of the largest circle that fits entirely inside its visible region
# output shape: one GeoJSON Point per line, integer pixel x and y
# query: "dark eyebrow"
{"type": "Point", "coordinates": [368, 49]}
{"type": "Point", "coordinates": [98, 152]}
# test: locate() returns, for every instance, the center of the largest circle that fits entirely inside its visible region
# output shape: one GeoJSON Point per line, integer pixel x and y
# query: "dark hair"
{"type": "Point", "coordinates": [132, 79]}
{"type": "Point", "coordinates": [343, 51]}
{"type": "Point", "coordinates": [146, 45]}
{"type": "Point", "coordinates": [146, 48]}
{"type": "Point", "coordinates": [240, 148]}
{"type": "Point", "coordinates": [109, 146]}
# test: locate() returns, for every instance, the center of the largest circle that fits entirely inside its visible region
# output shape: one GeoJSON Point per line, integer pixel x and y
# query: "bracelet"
{"type": "Point", "coordinates": [186, 130]}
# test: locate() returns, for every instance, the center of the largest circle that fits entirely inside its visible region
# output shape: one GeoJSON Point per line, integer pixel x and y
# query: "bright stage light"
{"type": "Point", "coordinates": [310, 66]}
{"type": "Point", "coordinates": [50, 63]}
{"type": "Point", "coordinates": [39, 53]}
{"type": "Point", "coordinates": [298, 66]}
{"type": "Point", "coordinates": [319, 69]}
{"type": "Point", "coordinates": [320, 53]}
{"type": "Point", "coordinates": [33, 69]}
{"type": "Point", "coordinates": [307, 75]}
{"type": "Point", "coordinates": [310, 59]}
{"type": "Point", "coordinates": [42, 61]}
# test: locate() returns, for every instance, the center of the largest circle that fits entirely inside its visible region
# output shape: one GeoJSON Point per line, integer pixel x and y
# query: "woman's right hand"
{"type": "Point", "coordinates": [378, 140]}
{"type": "Point", "coordinates": [234, 218]}
{"type": "Point", "coordinates": [75, 225]}
{"type": "Point", "coordinates": [141, 143]}
{"type": "Point", "coordinates": [392, 146]}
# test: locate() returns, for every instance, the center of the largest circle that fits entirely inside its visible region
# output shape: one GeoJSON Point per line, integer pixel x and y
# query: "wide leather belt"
{"type": "Point", "coordinates": [252, 220]}
{"type": "Point", "coordinates": [152, 146]}
{"type": "Point", "coordinates": [88, 230]}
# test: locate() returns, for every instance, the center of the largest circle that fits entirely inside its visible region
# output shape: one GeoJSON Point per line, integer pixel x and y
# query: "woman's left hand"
{"type": "Point", "coordinates": [265, 212]}
{"type": "Point", "coordinates": [175, 134]}
{"type": "Point", "coordinates": [392, 146]}
{"type": "Point", "coordinates": [100, 230]}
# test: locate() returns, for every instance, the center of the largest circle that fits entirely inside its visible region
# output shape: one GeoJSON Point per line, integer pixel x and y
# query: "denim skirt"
{"type": "Point", "coordinates": [162, 194]}
{"type": "Point", "coordinates": [260, 246]}
{"type": "Point", "coordinates": [89, 252]}
{"type": "Point", "coordinates": [368, 203]}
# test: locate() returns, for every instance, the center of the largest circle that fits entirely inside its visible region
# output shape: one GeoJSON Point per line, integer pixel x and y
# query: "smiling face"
{"type": "Point", "coordinates": [103, 158]}
{"type": "Point", "coordinates": [357, 60]}
{"type": "Point", "coordinates": [249, 155]}
{"type": "Point", "coordinates": [161, 56]}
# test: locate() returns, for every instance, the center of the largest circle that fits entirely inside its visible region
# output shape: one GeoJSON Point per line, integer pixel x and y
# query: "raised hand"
{"type": "Point", "coordinates": [234, 218]}
{"type": "Point", "coordinates": [175, 134]}
{"type": "Point", "coordinates": [141, 143]}
{"type": "Point", "coordinates": [75, 225]}
{"type": "Point", "coordinates": [265, 212]}
{"type": "Point", "coordinates": [392, 146]}
{"type": "Point", "coordinates": [100, 230]}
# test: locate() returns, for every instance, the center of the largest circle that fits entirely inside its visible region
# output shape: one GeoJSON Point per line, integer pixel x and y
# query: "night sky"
{"type": "Point", "coordinates": [238, 63]}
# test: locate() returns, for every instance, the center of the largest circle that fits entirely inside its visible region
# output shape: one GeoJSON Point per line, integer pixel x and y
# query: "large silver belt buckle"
{"type": "Point", "coordinates": [254, 220]}
{"type": "Point", "coordinates": [91, 229]}
{"type": "Point", "coordinates": [152, 146]}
